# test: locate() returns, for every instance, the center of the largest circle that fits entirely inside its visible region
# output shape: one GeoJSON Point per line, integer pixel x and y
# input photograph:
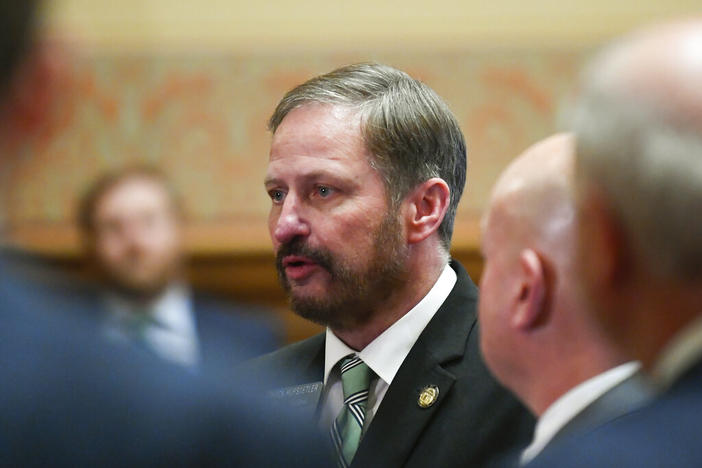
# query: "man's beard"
{"type": "Point", "coordinates": [355, 293]}
{"type": "Point", "coordinates": [146, 289]}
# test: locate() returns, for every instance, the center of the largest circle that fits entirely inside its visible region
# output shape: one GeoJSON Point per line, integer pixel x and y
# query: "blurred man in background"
{"type": "Point", "coordinates": [537, 336]}
{"type": "Point", "coordinates": [131, 223]}
{"type": "Point", "coordinates": [638, 121]}
{"type": "Point", "coordinates": [366, 169]}
{"type": "Point", "coordinates": [71, 399]}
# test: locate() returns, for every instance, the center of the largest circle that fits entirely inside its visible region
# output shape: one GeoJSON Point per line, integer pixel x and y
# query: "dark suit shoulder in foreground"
{"type": "Point", "coordinates": [667, 432]}
{"type": "Point", "coordinates": [220, 322]}
{"type": "Point", "coordinates": [623, 398]}
{"type": "Point", "coordinates": [69, 398]}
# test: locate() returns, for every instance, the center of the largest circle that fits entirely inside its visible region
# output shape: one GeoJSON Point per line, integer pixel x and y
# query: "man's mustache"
{"type": "Point", "coordinates": [298, 248]}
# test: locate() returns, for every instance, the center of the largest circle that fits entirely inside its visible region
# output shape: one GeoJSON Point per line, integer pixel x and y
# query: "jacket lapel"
{"type": "Point", "coordinates": [400, 419]}
{"type": "Point", "coordinates": [308, 393]}
{"type": "Point", "coordinates": [313, 364]}
{"type": "Point", "coordinates": [624, 398]}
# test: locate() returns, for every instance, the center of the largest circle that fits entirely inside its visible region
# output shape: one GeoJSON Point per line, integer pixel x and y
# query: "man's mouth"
{"type": "Point", "coordinates": [298, 267]}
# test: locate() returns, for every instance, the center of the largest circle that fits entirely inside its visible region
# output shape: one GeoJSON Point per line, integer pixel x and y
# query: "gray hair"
{"type": "Point", "coordinates": [649, 165]}
{"type": "Point", "coordinates": [409, 130]}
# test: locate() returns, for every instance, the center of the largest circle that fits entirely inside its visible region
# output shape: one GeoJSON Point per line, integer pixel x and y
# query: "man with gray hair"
{"type": "Point", "coordinates": [639, 126]}
{"type": "Point", "coordinates": [366, 169]}
{"type": "Point", "coordinates": [536, 334]}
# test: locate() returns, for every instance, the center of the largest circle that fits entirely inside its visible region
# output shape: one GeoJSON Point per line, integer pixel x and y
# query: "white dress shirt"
{"type": "Point", "coordinates": [172, 334]}
{"type": "Point", "coordinates": [384, 355]}
{"type": "Point", "coordinates": [571, 403]}
{"type": "Point", "coordinates": [684, 351]}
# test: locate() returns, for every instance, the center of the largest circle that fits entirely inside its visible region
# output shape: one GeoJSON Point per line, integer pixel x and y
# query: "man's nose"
{"type": "Point", "coordinates": [291, 222]}
{"type": "Point", "coordinates": [136, 233]}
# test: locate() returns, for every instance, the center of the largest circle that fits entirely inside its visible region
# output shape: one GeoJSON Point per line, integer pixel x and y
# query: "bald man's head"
{"type": "Point", "coordinates": [638, 124]}
{"type": "Point", "coordinates": [534, 194]}
{"type": "Point", "coordinates": [535, 336]}
{"type": "Point", "coordinates": [638, 121]}
{"type": "Point", "coordinates": [659, 68]}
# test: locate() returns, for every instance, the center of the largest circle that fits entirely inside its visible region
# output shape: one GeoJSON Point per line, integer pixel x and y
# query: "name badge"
{"type": "Point", "coordinates": [298, 396]}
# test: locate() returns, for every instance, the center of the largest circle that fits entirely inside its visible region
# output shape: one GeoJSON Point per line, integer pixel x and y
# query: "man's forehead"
{"type": "Point", "coordinates": [314, 126]}
{"type": "Point", "coordinates": [320, 113]}
{"type": "Point", "coordinates": [136, 186]}
{"type": "Point", "coordinates": [318, 137]}
{"type": "Point", "coordinates": [134, 195]}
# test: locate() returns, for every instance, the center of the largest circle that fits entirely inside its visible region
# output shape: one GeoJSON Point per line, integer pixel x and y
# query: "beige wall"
{"type": "Point", "coordinates": [324, 24]}
{"type": "Point", "coordinates": [188, 85]}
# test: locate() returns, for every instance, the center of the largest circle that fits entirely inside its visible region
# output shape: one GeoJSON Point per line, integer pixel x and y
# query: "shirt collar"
{"type": "Point", "coordinates": [387, 352]}
{"type": "Point", "coordinates": [170, 310]}
{"type": "Point", "coordinates": [683, 351]}
{"type": "Point", "coordinates": [573, 402]}
{"type": "Point", "coordinates": [172, 307]}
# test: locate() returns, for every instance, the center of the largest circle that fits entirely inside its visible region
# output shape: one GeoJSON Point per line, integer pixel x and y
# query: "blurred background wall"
{"type": "Point", "coordinates": [188, 86]}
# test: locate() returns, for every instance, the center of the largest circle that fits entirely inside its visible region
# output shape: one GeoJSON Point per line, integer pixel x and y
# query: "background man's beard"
{"type": "Point", "coordinates": [142, 291]}
{"type": "Point", "coordinates": [354, 295]}
{"type": "Point", "coordinates": [145, 289]}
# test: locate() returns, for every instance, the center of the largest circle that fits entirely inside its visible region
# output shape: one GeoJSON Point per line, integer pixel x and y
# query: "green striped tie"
{"type": "Point", "coordinates": [138, 323]}
{"type": "Point", "coordinates": [348, 426]}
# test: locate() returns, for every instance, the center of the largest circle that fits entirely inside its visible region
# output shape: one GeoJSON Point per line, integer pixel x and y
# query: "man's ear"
{"type": "Point", "coordinates": [426, 208]}
{"type": "Point", "coordinates": [530, 307]}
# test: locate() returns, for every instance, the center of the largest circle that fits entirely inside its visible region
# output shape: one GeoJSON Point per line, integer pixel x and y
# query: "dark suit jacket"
{"type": "Point", "coordinates": [223, 327]}
{"type": "Point", "coordinates": [665, 433]}
{"type": "Point", "coordinates": [474, 418]}
{"type": "Point", "coordinates": [223, 323]}
{"type": "Point", "coordinates": [70, 398]}
{"type": "Point", "coordinates": [624, 398]}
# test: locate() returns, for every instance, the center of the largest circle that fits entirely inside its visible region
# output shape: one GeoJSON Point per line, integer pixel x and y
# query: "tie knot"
{"type": "Point", "coordinates": [138, 321]}
{"type": "Point", "coordinates": [355, 378]}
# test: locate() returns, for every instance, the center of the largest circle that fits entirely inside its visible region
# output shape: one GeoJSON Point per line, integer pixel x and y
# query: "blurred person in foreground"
{"type": "Point", "coordinates": [69, 398]}
{"type": "Point", "coordinates": [638, 121]}
{"type": "Point", "coordinates": [131, 224]}
{"type": "Point", "coordinates": [537, 337]}
{"type": "Point", "coordinates": [366, 169]}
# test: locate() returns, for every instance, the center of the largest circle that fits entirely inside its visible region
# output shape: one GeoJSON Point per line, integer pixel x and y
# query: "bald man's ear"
{"type": "Point", "coordinates": [426, 208]}
{"type": "Point", "coordinates": [532, 294]}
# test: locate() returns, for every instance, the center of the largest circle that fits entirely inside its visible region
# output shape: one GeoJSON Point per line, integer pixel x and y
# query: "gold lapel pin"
{"type": "Point", "coordinates": [428, 396]}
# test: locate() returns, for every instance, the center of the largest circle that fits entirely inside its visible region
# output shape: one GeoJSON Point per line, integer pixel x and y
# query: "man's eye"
{"type": "Point", "coordinates": [324, 191]}
{"type": "Point", "coordinates": [276, 195]}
